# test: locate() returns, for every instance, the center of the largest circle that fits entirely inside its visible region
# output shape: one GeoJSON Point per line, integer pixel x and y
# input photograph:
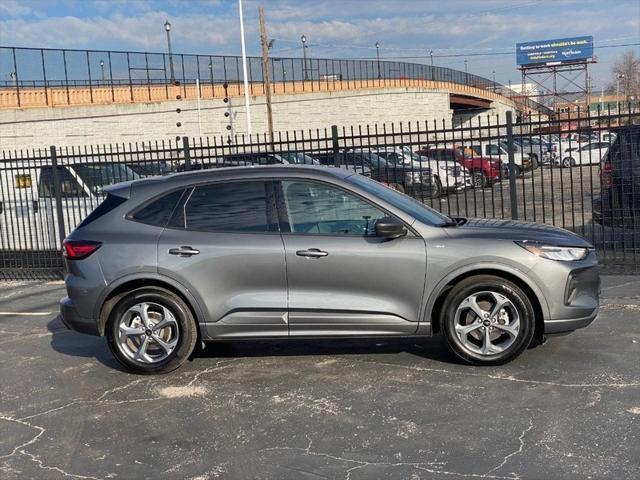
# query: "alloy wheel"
{"type": "Point", "coordinates": [147, 333]}
{"type": "Point", "coordinates": [487, 323]}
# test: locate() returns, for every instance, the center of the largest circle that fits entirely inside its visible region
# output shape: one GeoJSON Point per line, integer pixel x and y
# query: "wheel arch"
{"type": "Point", "coordinates": [437, 298]}
{"type": "Point", "coordinates": [119, 287]}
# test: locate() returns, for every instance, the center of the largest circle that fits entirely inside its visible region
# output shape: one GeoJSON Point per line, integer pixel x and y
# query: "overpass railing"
{"type": "Point", "coordinates": [47, 77]}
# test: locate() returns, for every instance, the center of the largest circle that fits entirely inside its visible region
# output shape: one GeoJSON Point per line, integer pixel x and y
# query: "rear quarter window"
{"type": "Point", "coordinates": [108, 204]}
{"type": "Point", "coordinates": [158, 211]}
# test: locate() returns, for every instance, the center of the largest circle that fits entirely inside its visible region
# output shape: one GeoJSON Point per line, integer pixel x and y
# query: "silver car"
{"type": "Point", "coordinates": [166, 263]}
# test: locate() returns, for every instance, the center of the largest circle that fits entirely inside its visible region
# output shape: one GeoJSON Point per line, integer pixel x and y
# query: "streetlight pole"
{"type": "Point", "coordinates": [167, 27]}
{"type": "Point", "coordinates": [378, 57]}
{"type": "Point", "coordinates": [466, 73]}
{"type": "Point", "coordinates": [102, 68]}
{"type": "Point", "coordinates": [618, 78]}
{"type": "Point", "coordinates": [304, 56]}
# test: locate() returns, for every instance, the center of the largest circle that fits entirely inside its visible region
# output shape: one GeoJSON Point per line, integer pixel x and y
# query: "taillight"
{"type": "Point", "coordinates": [605, 175]}
{"type": "Point", "coordinates": [79, 249]}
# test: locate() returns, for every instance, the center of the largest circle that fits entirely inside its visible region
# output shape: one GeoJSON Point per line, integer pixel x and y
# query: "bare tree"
{"type": "Point", "coordinates": [626, 75]}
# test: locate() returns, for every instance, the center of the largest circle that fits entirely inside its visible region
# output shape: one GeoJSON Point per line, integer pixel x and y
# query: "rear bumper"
{"type": "Point", "coordinates": [72, 319]}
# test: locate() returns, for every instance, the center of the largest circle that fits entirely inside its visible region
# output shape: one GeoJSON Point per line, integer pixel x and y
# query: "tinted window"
{"type": "Point", "coordinates": [69, 186]}
{"type": "Point", "coordinates": [231, 207]}
{"type": "Point", "coordinates": [316, 208]}
{"type": "Point", "coordinates": [158, 211]}
{"type": "Point", "coordinates": [105, 207]}
{"type": "Point", "coordinates": [99, 175]}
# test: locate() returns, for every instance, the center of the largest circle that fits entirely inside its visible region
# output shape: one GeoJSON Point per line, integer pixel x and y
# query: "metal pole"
{"type": "Point", "coordinates": [198, 105]}
{"type": "Point", "coordinates": [513, 194]}
{"type": "Point", "coordinates": [334, 142]}
{"type": "Point", "coordinates": [378, 57]}
{"type": "Point", "coordinates": [102, 69]}
{"type": "Point", "coordinates": [304, 57]}
{"type": "Point", "coordinates": [187, 153]}
{"type": "Point", "coordinates": [57, 192]}
{"type": "Point", "coordinates": [244, 70]}
{"type": "Point", "coordinates": [167, 27]}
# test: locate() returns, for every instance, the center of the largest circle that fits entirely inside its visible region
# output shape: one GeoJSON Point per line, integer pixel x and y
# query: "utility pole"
{"type": "Point", "coordinates": [265, 73]}
{"type": "Point", "coordinates": [378, 56]}
{"type": "Point", "coordinates": [303, 38]}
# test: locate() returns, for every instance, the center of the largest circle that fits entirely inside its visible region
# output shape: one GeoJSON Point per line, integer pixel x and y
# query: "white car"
{"type": "Point", "coordinates": [583, 154]}
{"type": "Point", "coordinates": [449, 175]}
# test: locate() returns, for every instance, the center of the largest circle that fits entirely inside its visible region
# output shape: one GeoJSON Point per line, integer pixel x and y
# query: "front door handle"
{"type": "Point", "coordinates": [312, 253]}
{"type": "Point", "coordinates": [184, 251]}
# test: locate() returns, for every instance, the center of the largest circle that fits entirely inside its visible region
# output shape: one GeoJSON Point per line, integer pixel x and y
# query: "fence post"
{"type": "Point", "coordinates": [334, 142]}
{"type": "Point", "coordinates": [513, 194]}
{"type": "Point", "coordinates": [187, 153]}
{"type": "Point", "coordinates": [57, 192]}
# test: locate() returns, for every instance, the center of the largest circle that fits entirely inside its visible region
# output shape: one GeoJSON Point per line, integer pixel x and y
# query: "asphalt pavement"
{"type": "Point", "coordinates": [569, 409]}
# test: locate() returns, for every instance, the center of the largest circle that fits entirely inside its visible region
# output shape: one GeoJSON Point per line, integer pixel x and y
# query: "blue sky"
{"type": "Point", "coordinates": [334, 28]}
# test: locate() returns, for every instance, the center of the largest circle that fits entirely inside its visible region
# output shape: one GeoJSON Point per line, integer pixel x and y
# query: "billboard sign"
{"type": "Point", "coordinates": [555, 52]}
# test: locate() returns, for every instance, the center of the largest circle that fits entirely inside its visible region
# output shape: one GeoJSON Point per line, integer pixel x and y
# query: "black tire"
{"type": "Point", "coordinates": [487, 283]}
{"type": "Point", "coordinates": [479, 179]}
{"type": "Point", "coordinates": [534, 162]}
{"type": "Point", "coordinates": [186, 327]}
{"type": "Point", "coordinates": [567, 162]}
{"type": "Point", "coordinates": [436, 191]}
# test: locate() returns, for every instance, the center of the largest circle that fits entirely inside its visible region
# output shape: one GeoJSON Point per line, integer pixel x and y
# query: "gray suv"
{"type": "Point", "coordinates": [166, 263]}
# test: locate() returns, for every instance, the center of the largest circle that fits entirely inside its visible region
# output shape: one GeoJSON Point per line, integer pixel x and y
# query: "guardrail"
{"type": "Point", "coordinates": [105, 73]}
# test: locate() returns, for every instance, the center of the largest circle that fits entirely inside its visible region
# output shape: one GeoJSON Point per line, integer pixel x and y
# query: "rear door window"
{"type": "Point", "coordinates": [229, 207]}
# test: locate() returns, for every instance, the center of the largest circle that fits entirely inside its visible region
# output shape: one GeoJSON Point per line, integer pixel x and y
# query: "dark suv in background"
{"type": "Point", "coordinates": [619, 201]}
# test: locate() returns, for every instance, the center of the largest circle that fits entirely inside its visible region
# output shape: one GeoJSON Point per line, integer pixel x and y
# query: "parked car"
{"type": "Point", "coordinates": [347, 162]}
{"type": "Point", "coordinates": [533, 147]}
{"type": "Point", "coordinates": [497, 150]}
{"type": "Point", "coordinates": [448, 175]}
{"type": "Point", "coordinates": [28, 209]}
{"type": "Point", "coordinates": [415, 182]}
{"type": "Point", "coordinates": [619, 201]}
{"type": "Point", "coordinates": [308, 252]}
{"type": "Point", "coordinates": [146, 168]}
{"type": "Point", "coordinates": [482, 171]}
{"type": "Point", "coordinates": [582, 154]}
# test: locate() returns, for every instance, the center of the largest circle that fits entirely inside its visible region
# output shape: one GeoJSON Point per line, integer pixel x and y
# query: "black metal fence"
{"type": "Point", "coordinates": [24, 69]}
{"type": "Point", "coordinates": [581, 173]}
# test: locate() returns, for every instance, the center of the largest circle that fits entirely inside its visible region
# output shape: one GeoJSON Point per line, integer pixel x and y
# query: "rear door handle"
{"type": "Point", "coordinates": [312, 253]}
{"type": "Point", "coordinates": [184, 251]}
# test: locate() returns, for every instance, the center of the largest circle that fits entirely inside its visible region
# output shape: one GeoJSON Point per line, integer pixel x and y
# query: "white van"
{"type": "Point", "coordinates": [498, 150]}
{"type": "Point", "coordinates": [28, 212]}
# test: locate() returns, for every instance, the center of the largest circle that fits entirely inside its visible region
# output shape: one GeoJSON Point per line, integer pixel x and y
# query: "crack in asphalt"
{"type": "Point", "coordinates": [428, 467]}
{"type": "Point", "coordinates": [509, 378]}
{"type": "Point", "coordinates": [100, 400]}
{"type": "Point", "coordinates": [515, 452]}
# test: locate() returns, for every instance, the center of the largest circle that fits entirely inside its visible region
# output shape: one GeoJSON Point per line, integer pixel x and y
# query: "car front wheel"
{"type": "Point", "coordinates": [487, 320]}
{"type": "Point", "coordinates": [151, 330]}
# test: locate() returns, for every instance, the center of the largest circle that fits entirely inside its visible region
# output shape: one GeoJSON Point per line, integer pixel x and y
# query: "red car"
{"type": "Point", "coordinates": [484, 171]}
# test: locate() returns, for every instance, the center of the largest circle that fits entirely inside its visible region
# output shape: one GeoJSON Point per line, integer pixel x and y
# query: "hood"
{"type": "Point", "coordinates": [515, 230]}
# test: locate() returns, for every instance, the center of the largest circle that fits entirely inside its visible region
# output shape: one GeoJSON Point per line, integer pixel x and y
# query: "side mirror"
{"type": "Point", "coordinates": [390, 228]}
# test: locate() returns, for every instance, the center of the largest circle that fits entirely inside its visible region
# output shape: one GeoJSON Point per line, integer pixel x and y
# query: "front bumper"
{"type": "Point", "coordinates": [571, 291]}
{"type": "Point", "coordinates": [72, 319]}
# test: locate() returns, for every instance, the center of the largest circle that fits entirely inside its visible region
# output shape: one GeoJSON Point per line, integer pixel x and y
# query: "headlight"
{"type": "Point", "coordinates": [554, 252]}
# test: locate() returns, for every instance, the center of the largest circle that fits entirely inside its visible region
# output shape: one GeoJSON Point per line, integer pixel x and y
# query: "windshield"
{"type": "Point", "coordinates": [96, 176]}
{"type": "Point", "coordinates": [378, 161]}
{"type": "Point", "coordinates": [299, 158]}
{"type": "Point", "coordinates": [408, 205]}
{"type": "Point", "coordinates": [413, 156]}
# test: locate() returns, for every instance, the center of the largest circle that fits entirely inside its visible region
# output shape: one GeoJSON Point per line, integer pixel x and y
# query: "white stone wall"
{"type": "Point", "coordinates": [108, 124]}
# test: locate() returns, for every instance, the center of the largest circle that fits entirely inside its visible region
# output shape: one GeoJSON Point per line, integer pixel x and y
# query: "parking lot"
{"type": "Point", "coordinates": [325, 409]}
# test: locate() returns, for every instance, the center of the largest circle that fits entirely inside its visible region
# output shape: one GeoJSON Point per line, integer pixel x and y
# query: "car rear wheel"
{"type": "Point", "coordinates": [487, 320]}
{"type": "Point", "coordinates": [568, 162]}
{"type": "Point", "coordinates": [151, 330]}
{"type": "Point", "coordinates": [479, 179]}
{"type": "Point", "coordinates": [436, 191]}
